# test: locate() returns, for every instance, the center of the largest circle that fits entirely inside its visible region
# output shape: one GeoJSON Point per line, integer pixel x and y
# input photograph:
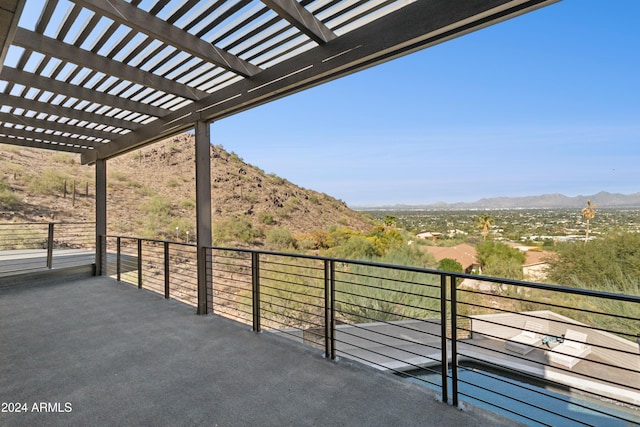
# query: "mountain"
{"type": "Point", "coordinates": [552, 201]}
{"type": "Point", "coordinates": [151, 193]}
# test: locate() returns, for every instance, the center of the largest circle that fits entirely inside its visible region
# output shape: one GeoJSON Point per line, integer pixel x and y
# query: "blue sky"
{"type": "Point", "coordinates": [548, 102]}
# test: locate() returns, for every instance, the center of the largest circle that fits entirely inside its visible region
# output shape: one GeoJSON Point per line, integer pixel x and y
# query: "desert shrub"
{"type": "Point", "coordinates": [143, 190]}
{"type": "Point", "coordinates": [235, 157]}
{"type": "Point", "coordinates": [8, 199]}
{"type": "Point", "coordinates": [505, 268]}
{"type": "Point", "coordinates": [63, 158]}
{"type": "Point", "coordinates": [281, 238]}
{"type": "Point", "coordinates": [313, 241]}
{"type": "Point", "coordinates": [275, 179]}
{"type": "Point", "coordinates": [337, 236]}
{"type": "Point", "coordinates": [358, 247]}
{"type": "Point", "coordinates": [118, 176]}
{"type": "Point", "coordinates": [291, 205]}
{"type": "Point", "coordinates": [156, 222]}
{"type": "Point", "coordinates": [611, 259]}
{"type": "Point", "coordinates": [368, 294]}
{"type": "Point", "coordinates": [236, 230]}
{"type": "Point", "coordinates": [187, 204]}
{"type": "Point", "coordinates": [13, 169]}
{"type": "Point", "coordinates": [181, 226]}
{"type": "Point", "coordinates": [50, 182]}
{"type": "Point", "coordinates": [249, 197]}
{"type": "Point", "coordinates": [408, 255]}
{"type": "Point", "coordinates": [157, 205]}
{"type": "Point", "coordinates": [173, 183]}
{"type": "Point", "coordinates": [266, 218]}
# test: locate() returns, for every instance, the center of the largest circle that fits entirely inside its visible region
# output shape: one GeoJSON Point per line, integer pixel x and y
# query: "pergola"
{"type": "Point", "coordinates": [103, 77]}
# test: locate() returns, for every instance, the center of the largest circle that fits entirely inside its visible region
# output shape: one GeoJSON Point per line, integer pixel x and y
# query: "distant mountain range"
{"type": "Point", "coordinates": [602, 199]}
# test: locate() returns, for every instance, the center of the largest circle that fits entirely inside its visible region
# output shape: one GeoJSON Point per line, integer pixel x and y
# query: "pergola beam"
{"type": "Point", "coordinates": [146, 23]}
{"type": "Point", "coordinates": [47, 45]}
{"type": "Point", "coordinates": [9, 17]}
{"type": "Point", "coordinates": [55, 126]}
{"type": "Point", "coordinates": [413, 27]}
{"type": "Point", "coordinates": [42, 145]}
{"type": "Point", "coordinates": [60, 111]}
{"type": "Point", "coordinates": [49, 137]}
{"type": "Point", "coordinates": [24, 78]}
{"type": "Point", "coordinates": [298, 16]}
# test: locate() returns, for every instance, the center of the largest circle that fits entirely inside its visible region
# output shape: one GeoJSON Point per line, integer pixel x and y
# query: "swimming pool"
{"type": "Point", "coordinates": [526, 400]}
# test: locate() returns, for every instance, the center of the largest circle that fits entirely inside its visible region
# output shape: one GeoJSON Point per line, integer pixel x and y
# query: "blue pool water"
{"type": "Point", "coordinates": [529, 402]}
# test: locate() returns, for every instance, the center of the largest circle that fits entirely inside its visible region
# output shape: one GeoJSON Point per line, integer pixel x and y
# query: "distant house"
{"type": "Point", "coordinates": [464, 253]}
{"type": "Point", "coordinates": [429, 235]}
{"type": "Point", "coordinates": [535, 265]}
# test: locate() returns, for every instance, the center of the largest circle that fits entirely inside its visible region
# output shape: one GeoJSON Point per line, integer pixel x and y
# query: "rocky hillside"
{"type": "Point", "coordinates": [151, 192]}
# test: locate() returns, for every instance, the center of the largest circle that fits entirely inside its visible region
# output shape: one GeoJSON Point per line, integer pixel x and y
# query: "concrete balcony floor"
{"type": "Point", "coordinates": [98, 352]}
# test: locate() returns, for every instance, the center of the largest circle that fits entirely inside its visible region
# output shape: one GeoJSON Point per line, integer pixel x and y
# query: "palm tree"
{"type": "Point", "coordinates": [588, 213]}
{"type": "Point", "coordinates": [485, 222]}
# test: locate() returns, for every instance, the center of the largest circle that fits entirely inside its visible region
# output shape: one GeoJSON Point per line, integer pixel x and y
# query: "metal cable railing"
{"type": "Point", "coordinates": [164, 267]}
{"type": "Point", "coordinates": [27, 247]}
{"type": "Point", "coordinates": [542, 354]}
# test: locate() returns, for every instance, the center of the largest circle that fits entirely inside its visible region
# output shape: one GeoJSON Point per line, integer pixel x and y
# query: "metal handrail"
{"type": "Point", "coordinates": [44, 237]}
{"type": "Point", "coordinates": [323, 302]}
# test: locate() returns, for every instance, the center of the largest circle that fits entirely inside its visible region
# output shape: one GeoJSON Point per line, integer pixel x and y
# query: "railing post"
{"type": "Point", "coordinates": [327, 308]}
{"type": "Point", "coordinates": [139, 263]}
{"type": "Point", "coordinates": [50, 247]}
{"type": "Point", "coordinates": [101, 216]}
{"type": "Point", "coordinates": [166, 270]}
{"type": "Point", "coordinates": [204, 279]}
{"type": "Point", "coordinates": [454, 341]}
{"type": "Point", "coordinates": [255, 287]}
{"type": "Point", "coordinates": [101, 251]}
{"type": "Point", "coordinates": [209, 278]}
{"type": "Point", "coordinates": [118, 259]}
{"type": "Point", "coordinates": [443, 339]}
{"type": "Point", "coordinates": [332, 306]}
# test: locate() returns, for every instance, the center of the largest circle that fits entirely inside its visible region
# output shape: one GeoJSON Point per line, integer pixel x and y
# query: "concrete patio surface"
{"type": "Point", "coordinates": [98, 352]}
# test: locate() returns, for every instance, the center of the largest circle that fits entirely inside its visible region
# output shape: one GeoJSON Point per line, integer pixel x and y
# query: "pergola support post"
{"type": "Point", "coordinates": [203, 210]}
{"type": "Point", "coordinates": [101, 215]}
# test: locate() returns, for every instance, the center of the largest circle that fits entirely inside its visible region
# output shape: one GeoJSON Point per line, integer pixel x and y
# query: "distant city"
{"type": "Point", "coordinates": [602, 199]}
{"type": "Point", "coordinates": [518, 224]}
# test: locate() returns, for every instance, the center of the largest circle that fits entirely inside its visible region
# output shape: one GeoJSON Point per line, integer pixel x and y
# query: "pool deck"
{"type": "Point", "coordinates": [594, 375]}
{"type": "Point", "coordinates": [588, 375]}
{"type": "Point", "coordinates": [98, 352]}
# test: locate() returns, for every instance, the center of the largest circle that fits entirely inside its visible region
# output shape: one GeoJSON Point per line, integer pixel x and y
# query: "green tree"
{"type": "Point", "coordinates": [485, 222]}
{"type": "Point", "coordinates": [500, 260]}
{"type": "Point", "coordinates": [390, 220]}
{"type": "Point", "coordinates": [613, 258]}
{"type": "Point", "coordinates": [449, 264]}
{"type": "Point", "coordinates": [357, 247]}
